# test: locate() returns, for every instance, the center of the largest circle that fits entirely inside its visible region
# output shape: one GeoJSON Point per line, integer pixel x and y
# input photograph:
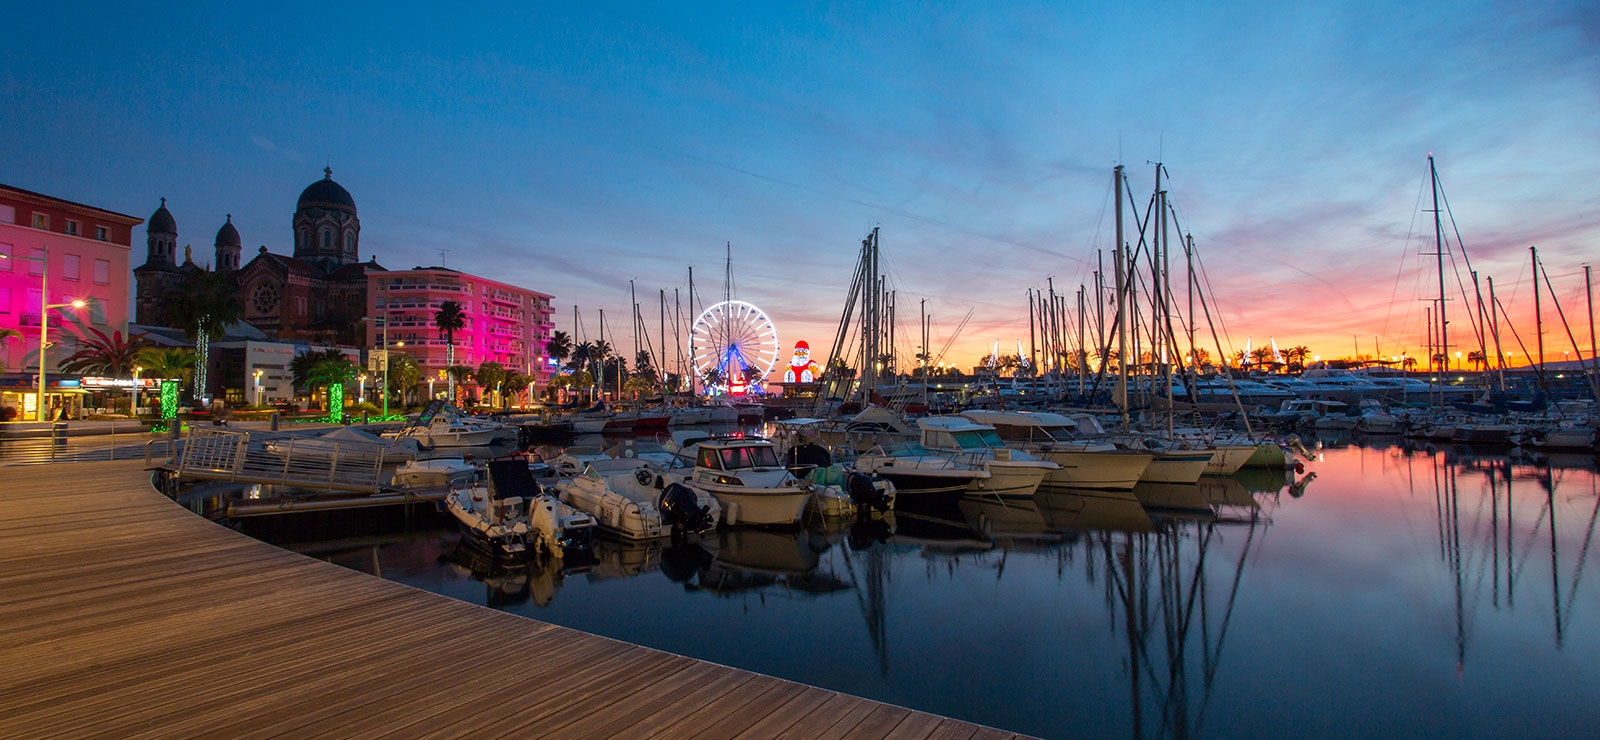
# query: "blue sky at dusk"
{"type": "Point", "coordinates": [569, 148]}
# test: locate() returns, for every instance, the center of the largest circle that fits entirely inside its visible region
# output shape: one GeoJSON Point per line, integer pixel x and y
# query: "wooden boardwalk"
{"type": "Point", "coordinates": [122, 615]}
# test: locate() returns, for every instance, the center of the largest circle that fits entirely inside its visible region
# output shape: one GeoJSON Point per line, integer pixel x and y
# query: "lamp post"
{"type": "Point", "coordinates": [430, 389]}
{"type": "Point", "coordinates": [133, 408]}
{"type": "Point", "coordinates": [361, 393]}
{"type": "Point", "coordinates": [258, 386]}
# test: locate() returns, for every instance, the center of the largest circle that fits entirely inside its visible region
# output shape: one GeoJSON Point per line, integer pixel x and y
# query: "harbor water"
{"type": "Point", "coordinates": [1385, 591]}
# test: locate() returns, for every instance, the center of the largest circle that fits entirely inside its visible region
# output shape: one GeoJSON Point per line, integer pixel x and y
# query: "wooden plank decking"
{"type": "Point", "coordinates": [124, 615]}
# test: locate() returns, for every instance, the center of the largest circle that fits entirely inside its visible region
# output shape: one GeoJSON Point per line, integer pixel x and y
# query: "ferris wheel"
{"type": "Point", "coordinates": [732, 338]}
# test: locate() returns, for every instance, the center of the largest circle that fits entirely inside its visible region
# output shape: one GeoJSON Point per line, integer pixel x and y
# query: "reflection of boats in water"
{"type": "Point", "coordinates": [1083, 510]}
{"type": "Point", "coordinates": [755, 559]}
{"type": "Point", "coordinates": [1185, 500]}
{"type": "Point", "coordinates": [1011, 522]}
{"type": "Point", "coordinates": [508, 582]}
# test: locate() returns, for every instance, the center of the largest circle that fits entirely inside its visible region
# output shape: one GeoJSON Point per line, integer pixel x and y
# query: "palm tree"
{"type": "Point", "coordinates": [558, 347]}
{"type": "Point", "coordinates": [167, 363]}
{"type": "Point", "coordinates": [329, 369]}
{"type": "Point", "coordinates": [208, 303]}
{"type": "Point", "coordinates": [404, 373]}
{"type": "Point", "coordinates": [1478, 359]}
{"type": "Point", "coordinates": [450, 319]}
{"type": "Point", "coordinates": [458, 375]}
{"type": "Point", "coordinates": [491, 375]}
{"type": "Point", "coordinates": [106, 356]}
{"type": "Point", "coordinates": [515, 384]}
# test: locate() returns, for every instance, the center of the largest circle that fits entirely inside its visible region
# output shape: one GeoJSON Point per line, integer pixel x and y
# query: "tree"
{"type": "Point", "coordinates": [458, 375]}
{"type": "Point", "coordinates": [491, 375]}
{"type": "Point", "coordinates": [450, 319]}
{"type": "Point", "coordinates": [167, 363]}
{"type": "Point", "coordinates": [645, 369]}
{"type": "Point", "coordinates": [1262, 357]}
{"type": "Point", "coordinates": [558, 347]}
{"type": "Point", "coordinates": [1477, 359]}
{"type": "Point", "coordinates": [106, 356]}
{"type": "Point", "coordinates": [207, 304]}
{"type": "Point", "coordinates": [515, 384]}
{"type": "Point", "coordinates": [328, 369]}
{"type": "Point", "coordinates": [404, 374]}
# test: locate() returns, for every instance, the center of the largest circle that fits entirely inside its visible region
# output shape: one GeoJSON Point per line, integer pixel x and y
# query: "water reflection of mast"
{"type": "Point", "coordinates": [874, 609]}
{"type": "Point", "coordinates": [1167, 610]}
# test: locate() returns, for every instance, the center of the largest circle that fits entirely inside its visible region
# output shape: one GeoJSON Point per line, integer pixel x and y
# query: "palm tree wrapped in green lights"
{"type": "Point", "coordinates": [325, 369]}
{"type": "Point", "coordinates": [450, 319]}
{"type": "Point", "coordinates": [208, 303]}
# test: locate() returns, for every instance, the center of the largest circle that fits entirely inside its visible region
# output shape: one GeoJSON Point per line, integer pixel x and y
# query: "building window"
{"type": "Point", "coordinates": [72, 227]}
{"type": "Point", "coordinates": [69, 267]}
{"type": "Point", "coordinates": [5, 261]}
{"type": "Point", "coordinates": [41, 221]}
{"type": "Point", "coordinates": [299, 305]}
{"type": "Point", "coordinates": [102, 272]}
{"type": "Point", "coordinates": [327, 240]}
{"type": "Point", "coordinates": [36, 265]}
{"type": "Point", "coordinates": [5, 300]}
{"type": "Point", "coordinates": [97, 311]}
{"type": "Point", "coordinates": [100, 233]}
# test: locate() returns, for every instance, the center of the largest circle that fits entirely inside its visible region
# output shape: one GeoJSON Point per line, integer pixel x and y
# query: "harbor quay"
{"type": "Point", "coordinates": [128, 616]}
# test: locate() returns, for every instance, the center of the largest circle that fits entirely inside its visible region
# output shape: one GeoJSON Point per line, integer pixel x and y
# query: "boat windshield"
{"type": "Point", "coordinates": [904, 449]}
{"type": "Point", "coordinates": [971, 439]}
{"type": "Point", "coordinates": [734, 458]}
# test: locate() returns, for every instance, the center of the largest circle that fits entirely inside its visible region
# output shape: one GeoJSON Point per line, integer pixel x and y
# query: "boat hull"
{"type": "Point", "coordinates": [1104, 470]}
{"type": "Point", "coordinates": [1176, 467]}
{"type": "Point", "coordinates": [759, 507]}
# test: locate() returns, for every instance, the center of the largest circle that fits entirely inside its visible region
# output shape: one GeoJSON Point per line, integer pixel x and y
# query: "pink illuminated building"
{"type": "Point", "coordinates": [504, 323]}
{"type": "Point", "coordinates": [88, 250]}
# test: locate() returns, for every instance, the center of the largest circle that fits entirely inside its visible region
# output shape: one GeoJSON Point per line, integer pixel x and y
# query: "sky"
{"type": "Point", "coordinates": [570, 148]}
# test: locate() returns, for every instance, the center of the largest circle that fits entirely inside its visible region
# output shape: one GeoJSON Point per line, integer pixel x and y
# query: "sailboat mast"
{"type": "Point", "coordinates": [1588, 292]}
{"type": "Point", "coordinates": [1494, 325]}
{"type": "Point", "coordinates": [1122, 327]}
{"type": "Point", "coordinates": [1538, 317]}
{"type": "Point", "coordinates": [600, 372]}
{"type": "Point", "coordinates": [1438, 242]}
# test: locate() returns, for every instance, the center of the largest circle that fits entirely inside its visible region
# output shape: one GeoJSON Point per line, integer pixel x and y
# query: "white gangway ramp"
{"type": "Point", "coordinates": [280, 459]}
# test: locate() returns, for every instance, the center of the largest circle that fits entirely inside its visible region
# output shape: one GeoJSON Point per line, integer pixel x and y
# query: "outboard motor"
{"type": "Point", "coordinates": [681, 508]}
{"type": "Point", "coordinates": [865, 493]}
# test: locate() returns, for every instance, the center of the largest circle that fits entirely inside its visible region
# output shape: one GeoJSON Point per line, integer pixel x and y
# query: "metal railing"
{"type": "Point", "coordinates": [281, 459]}
{"type": "Point", "coordinates": [56, 446]}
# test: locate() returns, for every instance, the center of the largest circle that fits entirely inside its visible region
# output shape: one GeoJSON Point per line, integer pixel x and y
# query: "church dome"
{"type": "Point", "coordinates": [326, 193]}
{"type": "Point", "coordinates": [227, 236]}
{"type": "Point", "coordinates": [162, 222]}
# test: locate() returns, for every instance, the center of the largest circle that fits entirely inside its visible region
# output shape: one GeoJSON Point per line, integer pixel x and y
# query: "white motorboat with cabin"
{"type": "Point", "coordinates": [443, 425]}
{"type": "Point", "coordinates": [1012, 473]}
{"type": "Point", "coordinates": [753, 487]}
{"type": "Point", "coordinates": [435, 472]}
{"type": "Point", "coordinates": [1083, 463]}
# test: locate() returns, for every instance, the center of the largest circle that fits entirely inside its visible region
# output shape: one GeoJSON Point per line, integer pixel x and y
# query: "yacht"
{"type": "Point", "coordinates": [1012, 473]}
{"type": "Point", "coordinates": [1053, 437]}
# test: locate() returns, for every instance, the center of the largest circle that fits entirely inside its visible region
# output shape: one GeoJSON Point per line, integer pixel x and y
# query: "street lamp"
{"type": "Point", "coordinates": [133, 409]}
{"type": "Point", "coordinates": [361, 394]}
{"type": "Point", "coordinates": [258, 386]}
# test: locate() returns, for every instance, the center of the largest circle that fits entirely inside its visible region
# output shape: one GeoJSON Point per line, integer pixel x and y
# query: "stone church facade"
{"type": "Point", "coordinates": [319, 294]}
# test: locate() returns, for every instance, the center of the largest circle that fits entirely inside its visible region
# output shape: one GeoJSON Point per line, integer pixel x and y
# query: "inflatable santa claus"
{"type": "Point", "coordinates": [801, 368]}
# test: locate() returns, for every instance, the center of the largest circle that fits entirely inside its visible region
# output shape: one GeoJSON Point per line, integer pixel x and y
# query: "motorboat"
{"type": "Point", "coordinates": [1012, 473]}
{"type": "Point", "coordinates": [437, 472]}
{"type": "Point", "coordinates": [920, 473]}
{"type": "Point", "coordinates": [575, 459]}
{"type": "Point", "coordinates": [511, 515]}
{"type": "Point", "coordinates": [1083, 463]}
{"type": "Point", "coordinates": [443, 425]}
{"type": "Point", "coordinates": [629, 503]}
{"type": "Point", "coordinates": [1374, 418]}
{"type": "Point", "coordinates": [753, 487]}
